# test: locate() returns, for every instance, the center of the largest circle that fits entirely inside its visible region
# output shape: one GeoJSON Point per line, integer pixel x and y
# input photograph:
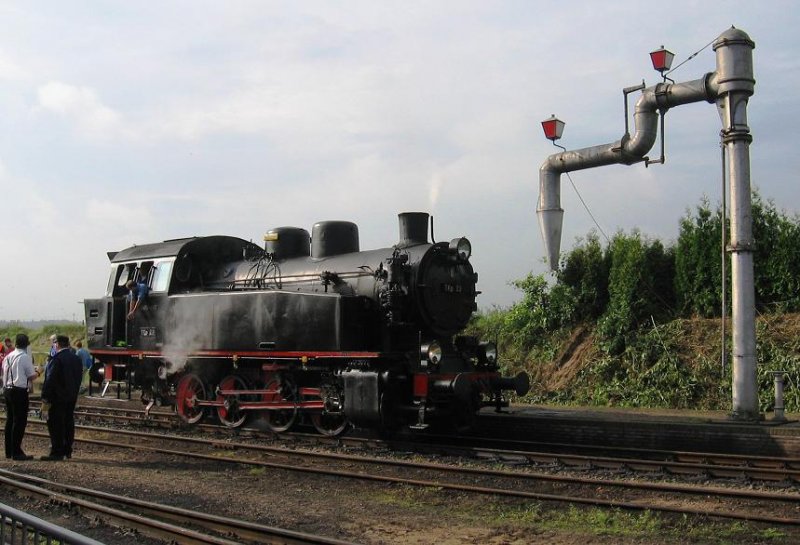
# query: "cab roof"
{"type": "Point", "coordinates": [219, 246]}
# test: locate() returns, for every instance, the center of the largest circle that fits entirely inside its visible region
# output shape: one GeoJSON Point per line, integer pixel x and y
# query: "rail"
{"type": "Point", "coordinates": [18, 527]}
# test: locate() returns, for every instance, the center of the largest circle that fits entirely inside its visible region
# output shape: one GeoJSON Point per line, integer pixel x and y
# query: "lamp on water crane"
{"type": "Point", "coordinates": [553, 128]}
{"type": "Point", "coordinates": [662, 59]}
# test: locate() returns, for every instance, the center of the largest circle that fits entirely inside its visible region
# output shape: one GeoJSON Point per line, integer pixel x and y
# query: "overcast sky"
{"type": "Point", "coordinates": [125, 123]}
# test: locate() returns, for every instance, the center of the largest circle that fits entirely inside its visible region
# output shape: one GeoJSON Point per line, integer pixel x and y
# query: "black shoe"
{"type": "Point", "coordinates": [22, 457]}
{"type": "Point", "coordinates": [51, 458]}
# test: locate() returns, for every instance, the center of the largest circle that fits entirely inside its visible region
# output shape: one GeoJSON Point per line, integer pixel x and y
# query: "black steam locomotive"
{"type": "Point", "coordinates": [304, 326]}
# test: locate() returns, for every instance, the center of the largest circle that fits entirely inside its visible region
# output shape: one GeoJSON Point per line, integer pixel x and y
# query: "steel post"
{"type": "Point", "coordinates": [734, 51]}
{"type": "Point", "coordinates": [779, 415]}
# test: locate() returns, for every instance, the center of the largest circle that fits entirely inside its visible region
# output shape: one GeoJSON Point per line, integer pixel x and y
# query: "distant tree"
{"type": "Point", "coordinates": [698, 266]}
{"type": "Point", "coordinates": [776, 258]}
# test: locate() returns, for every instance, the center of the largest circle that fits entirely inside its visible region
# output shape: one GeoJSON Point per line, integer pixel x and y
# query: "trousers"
{"type": "Point", "coordinates": [61, 427]}
{"type": "Point", "coordinates": [16, 419]}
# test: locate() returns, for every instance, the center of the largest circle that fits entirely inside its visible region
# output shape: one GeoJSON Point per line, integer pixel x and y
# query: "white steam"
{"type": "Point", "coordinates": [435, 188]}
{"type": "Point", "coordinates": [190, 330]}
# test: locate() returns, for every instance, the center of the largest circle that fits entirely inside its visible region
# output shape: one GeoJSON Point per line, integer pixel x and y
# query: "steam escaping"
{"type": "Point", "coordinates": [190, 331]}
{"type": "Point", "coordinates": [436, 186]}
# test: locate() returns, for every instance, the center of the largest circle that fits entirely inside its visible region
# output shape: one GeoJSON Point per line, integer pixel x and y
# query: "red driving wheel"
{"type": "Point", "coordinates": [190, 390]}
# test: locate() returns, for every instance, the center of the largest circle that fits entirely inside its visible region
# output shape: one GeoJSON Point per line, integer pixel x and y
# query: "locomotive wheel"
{"type": "Point", "coordinates": [190, 390]}
{"type": "Point", "coordinates": [97, 372]}
{"type": "Point", "coordinates": [389, 422]}
{"type": "Point", "coordinates": [230, 414]}
{"type": "Point", "coordinates": [281, 420]}
{"type": "Point", "coordinates": [329, 424]}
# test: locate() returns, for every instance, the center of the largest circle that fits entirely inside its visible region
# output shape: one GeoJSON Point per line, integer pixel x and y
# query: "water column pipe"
{"type": "Point", "coordinates": [730, 86]}
{"type": "Point", "coordinates": [734, 50]}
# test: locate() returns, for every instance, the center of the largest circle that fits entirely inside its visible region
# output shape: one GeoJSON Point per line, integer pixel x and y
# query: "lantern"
{"type": "Point", "coordinates": [662, 59]}
{"type": "Point", "coordinates": [553, 128]}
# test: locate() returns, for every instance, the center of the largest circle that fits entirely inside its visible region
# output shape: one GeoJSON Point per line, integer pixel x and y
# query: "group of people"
{"type": "Point", "coordinates": [63, 375]}
{"type": "Point", "coordinates": [66, 370]}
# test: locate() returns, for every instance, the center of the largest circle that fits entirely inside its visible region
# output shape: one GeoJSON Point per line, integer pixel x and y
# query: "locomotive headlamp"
{"type": "Point", "coordinates": [462, 247]}
{"type": "Point", "coordinates": [487, 352]}
{"type": "Point", "coordinates": [431, 352]}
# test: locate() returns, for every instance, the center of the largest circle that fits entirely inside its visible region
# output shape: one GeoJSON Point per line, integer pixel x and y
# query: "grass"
{"type": "Point", "coordinates": [590, 522]}
{"type": "Point", "coordinates": [40, 338]}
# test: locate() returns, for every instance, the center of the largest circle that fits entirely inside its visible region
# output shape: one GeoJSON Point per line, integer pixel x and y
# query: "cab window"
{"type": "Point", "coordinates": [120, 274]}
{"type": "Point", "coordinates": [161, 274]}
{"type": "Point", "coordinates": [145, 272]}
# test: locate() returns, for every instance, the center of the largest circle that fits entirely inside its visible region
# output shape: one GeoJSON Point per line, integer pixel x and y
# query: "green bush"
{"type": "Point", "coordinates": [584, 273]}
{"type": "Point", "coordinates": [776, 258]}
{"type": "Point", "coordinates": [639, 286]}
{"type": "Point", "coordinates": [698, 263]}
{"type": "Point", "coordinates": [621, 291]}
{"type": "Point", "coordinates": [40, 338]}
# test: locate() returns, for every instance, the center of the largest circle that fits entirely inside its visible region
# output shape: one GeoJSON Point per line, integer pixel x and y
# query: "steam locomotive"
{"type": "Point", "coordinates": [305, 327]}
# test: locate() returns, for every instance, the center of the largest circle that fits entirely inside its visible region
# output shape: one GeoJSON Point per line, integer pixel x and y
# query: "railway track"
{"type": "Point", "coordinates": [767, 507]}
{"type": "Point", "coordinates": [167, 523]}
{"type": "Point", "coordinates": [676, 463]}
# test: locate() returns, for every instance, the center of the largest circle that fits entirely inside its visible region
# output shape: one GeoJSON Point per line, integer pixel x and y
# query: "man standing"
{"type": "Point", "coordinates": [60, 389]}
{"type": "Point", "coordinates": [86, 359]}
{"type": "Point", "coordinates": [53, 347]}
{"type": "Point", "coordinates": [18, 371]}
{"type": "Point", "coordinates": [49, 357]}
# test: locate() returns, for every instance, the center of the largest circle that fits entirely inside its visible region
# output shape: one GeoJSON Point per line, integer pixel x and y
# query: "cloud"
{"type": "Point", "coordinates": [121, 223]}
{"type": "Point", "coordinates": [79, 105]}
{"type": "Point", "coordinates": [9, 70]}
{"type": "Point", "coordinates": [160, 122]}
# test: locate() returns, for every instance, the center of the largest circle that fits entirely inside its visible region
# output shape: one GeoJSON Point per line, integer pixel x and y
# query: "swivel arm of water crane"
{"type": "Point", "coordinates": [629, 150]}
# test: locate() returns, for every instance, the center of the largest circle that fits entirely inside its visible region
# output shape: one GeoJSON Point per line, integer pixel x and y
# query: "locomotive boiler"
{"type": "Point", "coordinates": [304, 327]}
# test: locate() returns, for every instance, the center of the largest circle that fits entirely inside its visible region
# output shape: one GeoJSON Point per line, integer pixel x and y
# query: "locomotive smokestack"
{"type": "Point", "coordinates": [413, 228]}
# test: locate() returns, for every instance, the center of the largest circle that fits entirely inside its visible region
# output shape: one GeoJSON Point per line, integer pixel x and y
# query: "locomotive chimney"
{"type": "Point", "coordinates": [413, 228]}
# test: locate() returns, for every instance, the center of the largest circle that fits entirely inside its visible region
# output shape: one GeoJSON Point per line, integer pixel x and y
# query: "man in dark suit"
{"type": "Point", "coordinates": [60, 389]}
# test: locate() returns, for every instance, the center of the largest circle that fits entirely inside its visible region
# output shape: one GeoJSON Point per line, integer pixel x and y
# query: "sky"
{"type": "Point", "coordinates": [127, 123]}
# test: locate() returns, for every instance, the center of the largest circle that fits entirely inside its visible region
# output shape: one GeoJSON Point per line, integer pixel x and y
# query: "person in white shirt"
{"type": "Point", "coordinates": [18, 374]}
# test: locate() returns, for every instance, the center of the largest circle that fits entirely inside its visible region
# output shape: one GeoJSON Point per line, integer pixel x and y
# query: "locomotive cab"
{"type": "Point", "coordinates": [107, 319]}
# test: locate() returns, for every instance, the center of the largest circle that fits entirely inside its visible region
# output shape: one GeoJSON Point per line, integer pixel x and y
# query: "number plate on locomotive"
{"type": "Point", "coordinates": [452, 288]}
